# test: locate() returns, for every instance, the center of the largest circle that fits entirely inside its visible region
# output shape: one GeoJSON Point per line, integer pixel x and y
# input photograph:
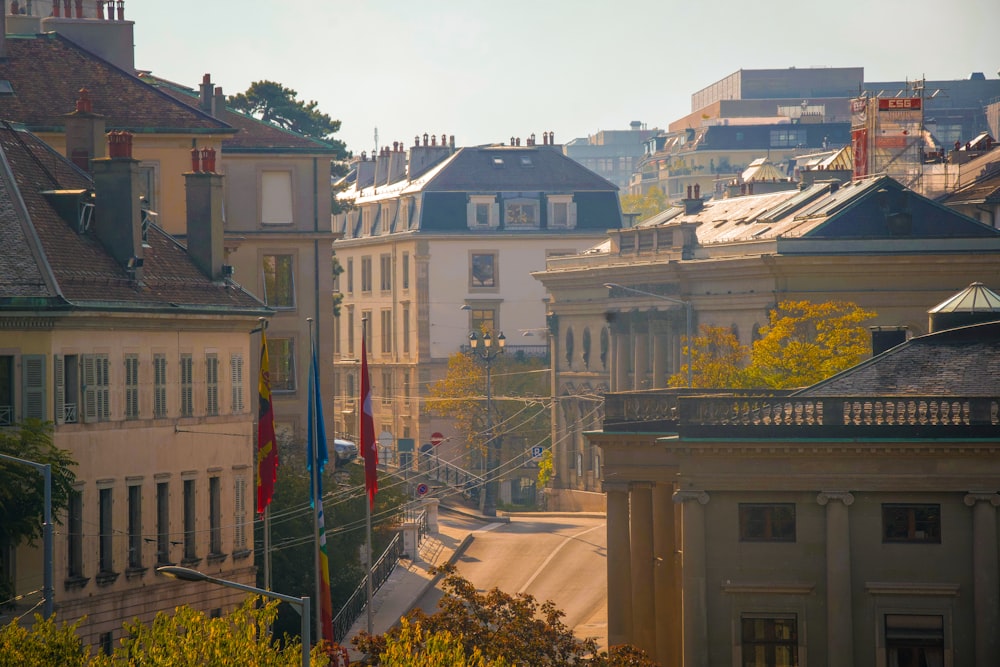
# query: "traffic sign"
{"type": "Point", "coordinates": [422, 489]}
{"type": "Point", "coordinates": [536, 452]}
{"type": "Point", "coordinates": [436, 438]}
{"type": "Point", "coordinates": [385, 438]}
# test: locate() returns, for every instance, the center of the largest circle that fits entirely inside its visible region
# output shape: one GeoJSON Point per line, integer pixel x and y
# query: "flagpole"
{"type": "Point", "coordinates": [314, 484]}
{"type": "Point", "coordinates": [368, 505]}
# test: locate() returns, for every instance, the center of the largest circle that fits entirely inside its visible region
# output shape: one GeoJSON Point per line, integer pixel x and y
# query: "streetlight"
{"type": "Point", "coordinates": [488, 353]}
{"type": "Point", "coordinates": [187, 574]}
{"type": "Point", "coordinates": [48, 590]}
{"type": "Point", "coordinates": [687, 314]}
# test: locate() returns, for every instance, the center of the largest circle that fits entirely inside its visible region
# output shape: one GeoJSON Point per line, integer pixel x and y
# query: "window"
{"type": "Point", "coordinates": [95, 387]}
{"type": "Point", "coordinates": [387, 388]}
{"type": "Point", "coordinates": [483, 319]}
{"type": "Point", "coordinates": [7, 390]}
{"type": "Point", "coordinates": [767, 522]}
{"type": "Point", "coordinates": [215, 515]}
{"type": "Point", "coordinates": [236, 378]}
{"type": "Point", "coordinates": [406, 386]}
{"type": "Point", "coordinates": [483, 270]}
{"type": "Point", "coordinates": [386, 331]}
{"type": "Point", "coordinates": [106, 528]}
{"type": "Point", "coordinates": [134, 526]}
{"type": "Point", "coordinates": [366, 274]}
{"type": "Point", "coordinates": [405, 333]}
{"type": "Point", "coordinates": [914, 640]}
{"type": "Point", "coordinates": [187, 385]}
{"type": "Point", "coordinates": [240, 514]}
{"type": "Point", "coordinates": [212, 384]}
{"type": "Point", "coordinates": [349, 272]}
{"type": "Point", "coordinates": [405, 270]}
{"type": "Point", "coordinates": [350, 331]}
{"type": "Point", "coordinates": [787, 138]}
{"type": "Point", "coordinates": [190, 521]}
{"type": "Point", "coordinates": [159, 385]}
{"type": "Point", "coordinates": [147, 183]}
{"type": "Point", "coordinates": [562, 212]}
{"type": "Point", "coordinates": [33, 386]}
{"type": "Point", "coordinates": [521, 213]}
{"type": "Point", "coordinates": [281, 354]}
{"type": "Point", "coordinates": [131, 386]}
{"type": "Point", "coordinates": [67, 389]}
{"type": "Point", "coordinates": [366, 328]}
{"type": "Point", "coordinates": [385, 272]}
{"type": "Point", "coordinates": [279, 281]}
{"type": "Point", "coordinates": [482, 212]}
{"type": "Point", "coordinates": [911, 523]}
{"type": "Point", "coordinates": [74, 528]}
{"type": "Point", "coordinates": [162, 522]}
{"type": "Point", "coordinates": [769, 642]}
{"type": "Point", "coordinates": [276, 197]}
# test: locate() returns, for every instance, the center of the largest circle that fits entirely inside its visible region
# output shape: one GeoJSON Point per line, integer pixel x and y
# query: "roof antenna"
{"type": "Point", "coordinates": [375, 150]}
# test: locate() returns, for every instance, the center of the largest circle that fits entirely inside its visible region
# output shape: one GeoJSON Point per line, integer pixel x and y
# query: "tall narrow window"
{"type": "Point", "coordinates": [386, 316]}
{"type": "Point", "coordinates": [405, 333]}
{"type": "Point", "coordinates": [236, 378]}
{"type": "Point", "coordinates": [349, 272]}
{"type": "Point", "coordinates": [74, 527]}
{"type": "Point", "coordinates": [276, 197]}
{"type": "Point", "coordinates": [135, 526]}
{"type": "Point", "coordinates": [367, 323]}
{"type": "Point", "coordinates": [366, 274]}
{"type": "Point", "coordinates": [483, 270]}
{"type": "Point", "coordinates": [190, 521]}
{"type": "Point", "coordinates": [483, 320]}
{"type": "Point", "coordinates": [387, 388]}
{"type": "Point", "coordinates": [212, 384]}
{"type": "Point", "coordinates": [240, 515]}
{"type": "Point", "coordinates": [215, 515]}
{"type": "Point", "coordinates": [914, 639]}
{"type": "Point", "coordinates": [96, 371]}
{"type": "Point", "coordinates": [279, 281]}
{"type": "Point", "coordinates": [405, 270]}
{"type": "Point", "coordinates": [385, 273]}
{"type": "Point", "coordinates": [350, 331]}
{"type": "Point", "coordinates": [769, 642]}
{"type": "Point", "coordinates": [159, 386]}
{"type": "Point", "coordinates": [6, 390]}
{"type": "Point", "coordinates": [162, 522]}
{"type": "Point", "coordinates": [131, 386]}
{"type": "Point", "coordinates": [187, 385]}
{"type": "Point", "coordinates": [66, 385]}
{"type": "Point", "coordinates": [106, 528]}
{"type": "Point", "coordinates": [281, 355]}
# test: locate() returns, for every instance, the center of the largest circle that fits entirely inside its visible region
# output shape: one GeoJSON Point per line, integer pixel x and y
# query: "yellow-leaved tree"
{"type": "Point", "coordinates": [645, 205]}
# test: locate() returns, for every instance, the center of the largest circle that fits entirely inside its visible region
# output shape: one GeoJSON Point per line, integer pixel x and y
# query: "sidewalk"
{"type": "Point", "coordinates": [411, 580]}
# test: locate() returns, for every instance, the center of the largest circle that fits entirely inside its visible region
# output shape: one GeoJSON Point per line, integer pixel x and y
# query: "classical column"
{"type": "Point", "coordinates": [985, 575]}
{"type": "Point", "coordinates": [695, 603]}
{"type": "Point", "coordinates": [660, 331]}
{"type": "Point", "coordinates": [839, 619]}
{"type": "Point", "coordinates": [666, 562]}
{"type": "Point", "coordinates": [640, 356]}
{"type": "Point", "coordinates": [620, 369]}
{"type": "Point", "coordinates": [619, 565]}
{"type": "Point", "coordinates": [643, 606]}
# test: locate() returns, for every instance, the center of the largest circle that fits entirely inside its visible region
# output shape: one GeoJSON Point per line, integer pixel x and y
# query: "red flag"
{"type": "Point", "coordinates": [369, 448]}
{"type": "Point", "coordinates": [267, 450]}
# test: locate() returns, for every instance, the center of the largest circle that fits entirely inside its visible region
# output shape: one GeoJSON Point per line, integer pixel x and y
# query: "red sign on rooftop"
{"type": "Point", "coordinates": [899, 104]}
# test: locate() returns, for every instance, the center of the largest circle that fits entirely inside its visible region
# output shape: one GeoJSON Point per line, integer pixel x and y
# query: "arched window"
{"type": "Point", "coordinates": [569, 347]}
{"type": "Point", "coordinates": [604, 347]}
{"type": "Point", "coordinates": [586, 348]}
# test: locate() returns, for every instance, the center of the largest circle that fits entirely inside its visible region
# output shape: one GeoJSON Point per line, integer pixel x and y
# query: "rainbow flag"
{"type": "Point", "coordinates": [267, 448]}
{"type": "Point", "coordinates": [318, 456]}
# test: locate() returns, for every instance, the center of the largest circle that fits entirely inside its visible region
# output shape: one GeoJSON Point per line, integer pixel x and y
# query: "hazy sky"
{"type": "Point", "coordinates": [486, 71]}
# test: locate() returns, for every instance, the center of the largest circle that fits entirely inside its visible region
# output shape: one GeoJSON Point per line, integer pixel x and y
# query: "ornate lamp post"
{"type": "Point", "coordinates": [483, 348]}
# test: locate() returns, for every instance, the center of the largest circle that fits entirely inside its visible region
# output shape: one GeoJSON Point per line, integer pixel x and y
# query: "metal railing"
{"type": "Point", "coordinates": [355, 605]}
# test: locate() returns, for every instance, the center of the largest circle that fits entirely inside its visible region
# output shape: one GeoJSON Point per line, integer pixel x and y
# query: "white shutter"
{"type": "Point", "coordinates": [59, 378]}
{"type": "Point", "coordinates": [33, 385]}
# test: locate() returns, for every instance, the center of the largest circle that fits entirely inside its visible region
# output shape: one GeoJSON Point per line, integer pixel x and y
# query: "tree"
{"type": "Point", "coordinates": [22, 488]}
{"type": "Point", "coordinates": [413, 647]}
{"type": "Point", "coordinates": [46, 643]}
{"type": "Point", "coordinates": [274, 103]}
{"type": "Point", "coordinates": [646, 205]}
{"type": "Point", "coordinates": [802, 344]}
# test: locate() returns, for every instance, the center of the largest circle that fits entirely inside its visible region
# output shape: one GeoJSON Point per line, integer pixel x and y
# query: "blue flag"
{"type": "Point", "coordinates": [316, 435]}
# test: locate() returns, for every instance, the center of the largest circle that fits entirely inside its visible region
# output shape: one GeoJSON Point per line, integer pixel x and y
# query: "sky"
{"type": "Point", "coordinates": [488, 71]}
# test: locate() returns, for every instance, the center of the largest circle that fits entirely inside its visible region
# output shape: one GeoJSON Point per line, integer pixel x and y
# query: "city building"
{"type": "Point", "coordinates": [138, 351]}
{"type": "Point", "coordinates": [728, 262]}
{"type": "Point", "coordinates": [613, 154]}
{"type": "Point", "coordinates": [440, 243]}
{"type": "Point", "coordinates": [853, 522]}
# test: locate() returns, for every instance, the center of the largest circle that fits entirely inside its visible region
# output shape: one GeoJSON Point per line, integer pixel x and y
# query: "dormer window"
{"type": "Point", "coordinates": [561, 212]}
{"type": "Point", "coordinates": [482, 212]}
{"type": "Point", "coordinates": [521, 214]}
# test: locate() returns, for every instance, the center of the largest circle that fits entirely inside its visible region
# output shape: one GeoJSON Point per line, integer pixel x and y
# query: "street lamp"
{"type": "Point", "coordinates": [687, 315]}
{"type": "Point", "coordinates": [488, 353]}
{"type": "Point", "coordinates": [187, 574]}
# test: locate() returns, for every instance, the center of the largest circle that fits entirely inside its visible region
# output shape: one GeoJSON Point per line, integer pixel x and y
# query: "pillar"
{"type": "Point", "coordinates": [659, 330]}
{"type": "Point", "coordinates": [695, 613]}
{"type": "Point", "coordinates": [640, 356]}
{"type": "Point", "coordinates": [619, 370]}
{"type": "Point", "coordinates": [619, 565]}
{"type": "Point", "coordinates": [839, 619]}
{"type": "Point", "coordinates": [985, 576]}
{"type": "Point", "coordinates": [666, 564]}
{"type": "Point", "coordinates": [641, 545]}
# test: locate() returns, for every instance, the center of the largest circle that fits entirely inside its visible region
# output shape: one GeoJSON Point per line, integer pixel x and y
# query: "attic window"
{"type": "Point", "coordinates": [6, 88]}
{"type": "Point", "coordinates": [526, 161]}
{"type": "Point", "coordinates": [497, 161]}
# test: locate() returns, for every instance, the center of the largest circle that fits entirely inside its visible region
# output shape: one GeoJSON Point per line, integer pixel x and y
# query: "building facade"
{"type": "Point", "coordinates": [613, 154]}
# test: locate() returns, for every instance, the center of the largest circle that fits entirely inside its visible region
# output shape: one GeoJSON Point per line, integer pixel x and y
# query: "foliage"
{"type": "Point", "coordinates": [22, 488]}
{"type": "Point", "coordinates": [338, 297]}
{"type": "Point", "coordinates": [802, 344]}
{"type": "Point", "coordinates": [46, 643]}
{"type": "Point", "coordinates": [274, 103]}
{"type": "Point", "coordinates": [546, 469]}
{"type": "Point", "coordinates": [646, 205]}
{"type": "Point", "coordinates": [413, 647]}
{"type": "Point", "coordinates": [519, 391]}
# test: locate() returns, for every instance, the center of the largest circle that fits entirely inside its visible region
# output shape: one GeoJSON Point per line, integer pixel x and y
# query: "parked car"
{"type": "Point", "coordinates": [345, 450]}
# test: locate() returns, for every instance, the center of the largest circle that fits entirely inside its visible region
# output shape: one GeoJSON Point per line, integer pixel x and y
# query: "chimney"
{"type": "Point", "coordinates": [205, 102]}
{"type": "Point", "coordinates": [423, 157]}
{"type": "Point", "coordinates": [886, 338]}
{"type": "Point", "coordinates": [204, 216]}
{"type": "Point", "coordinates": [118, 214]}
{"type": "Point", "coordinates": [365, 171]}
{"type": "Point", "coordinates": [693, 203]}
{"type": "Point", "coordinates": [84, 132]}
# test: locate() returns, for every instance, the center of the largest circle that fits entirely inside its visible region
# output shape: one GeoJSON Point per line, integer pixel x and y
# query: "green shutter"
{"type": "Point", "coordinates": [33, 385]}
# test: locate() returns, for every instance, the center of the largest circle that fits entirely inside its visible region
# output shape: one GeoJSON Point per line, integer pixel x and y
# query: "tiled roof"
{"type": "Point", "coordinates": [515, 168]}
{"type": "Point", "coordinates": [955, 362]}
{"type": "Point", "coordinates": [45, 257]}
{"type": "Point", "coordinates": [46, 73]}
{"type": "Point", "coordinates": [254, 135]}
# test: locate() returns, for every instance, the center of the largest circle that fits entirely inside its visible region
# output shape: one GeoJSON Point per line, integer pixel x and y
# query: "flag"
{"type": "Point", "coordinates": [267, 449]}
{"type": "Point", "coordinates": [316, 442]}
{"type": "Point", "coordinates": [369, 448]}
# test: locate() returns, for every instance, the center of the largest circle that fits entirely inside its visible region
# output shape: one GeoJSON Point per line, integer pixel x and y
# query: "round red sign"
{"type": "Point", "coordinates": [436, 439]}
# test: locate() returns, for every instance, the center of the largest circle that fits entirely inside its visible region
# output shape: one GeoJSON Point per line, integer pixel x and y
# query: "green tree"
{"type": "Point", "coordinates": [413, 647]}
{"type": "Point", "coordinates": [645, 205]}
{"type": "Point", "coordinates": [802, 344]}
{"type": "Point", "coordinates": [22, 488]}
{"type": "Point", "coordinates": [274, 103]}
{"type": "Point", "coordinates": [46, 643]}
{"type": "Point", "coordinates": [338, 296]}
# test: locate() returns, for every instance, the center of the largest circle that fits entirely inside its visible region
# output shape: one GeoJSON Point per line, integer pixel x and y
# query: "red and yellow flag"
{"type": "Point", "coordinates": [267, 447]}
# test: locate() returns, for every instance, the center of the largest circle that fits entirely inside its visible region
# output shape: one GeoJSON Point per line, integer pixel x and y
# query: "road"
{"type": "Point", "coordinates": [552, 557]}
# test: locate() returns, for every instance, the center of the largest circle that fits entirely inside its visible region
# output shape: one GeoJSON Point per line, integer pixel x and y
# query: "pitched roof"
{"type": "Point", "coordinates": [46, 260]}
{"type": "Point", "coordinates": [46, 73]}
{"type": "Point", "coordinates": [515, 168]}
{"type": "Point", "coordinates": [254, 135]}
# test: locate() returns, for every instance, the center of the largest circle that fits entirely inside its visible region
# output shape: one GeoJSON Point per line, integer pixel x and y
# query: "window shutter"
{"type": "Point", "coordinates": [33, 384]}
{"type": "Point", "coordinates": [89, 411]}
{"type": "Point", "coordinates": [59, 377]}
{"type": "Point", "coordinates": [239, 535]}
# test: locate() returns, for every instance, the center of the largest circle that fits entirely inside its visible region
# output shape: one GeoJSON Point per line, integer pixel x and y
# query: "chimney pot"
{"type": "Point", "coordinates": [121, 10]}
{"type": "Point", "coordinates": [552, 137]}
{"type": "Point", "coordinates": [434, 140]}
{"type": "Point", "coordinates": [689, 192]}
{"type": "Point", "coordinates": [195, 160]}
{"type": "Point", "coordinates": [444, 139]}
{"type": "Point", "coordinates": [56, 9]}
{"type": "Point", "coordinates": [545, 138]}
{"type": "Point", "coordinates": [83, 102]}
{"type": "Point", "coordinates": [395, 147]}
{"type": "Point", "coordinates": [79, 9]}
{"type": "Point", "coordinates": [697, 191]}
{"type": "Point", "coordinates": [208, 160]}
{"type": "Point", "coordinates": [100, 10]}
{"type": "Point", "coordinates": [426, 137]}
{"type": "Point", "coordinates": [451, 141]}
{"type": "Point", "coordinates": [416, 140]}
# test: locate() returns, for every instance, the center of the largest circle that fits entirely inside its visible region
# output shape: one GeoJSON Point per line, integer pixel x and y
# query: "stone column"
{"type": "Point", "coordinates": [643, 605]}
{"type": "Point", "coordinates": [985, 575]}
{"type": "Point", "coordinates": [666, 563]}
{"type": "Point", "coordinates": [640, 356]}
{"type": "Point", "coordinates": [695, 603]}
{"type": "Point", "coordinates": [660, 331]}
{"type": "Point", "coordinates": [619, 371]}
{"type": "Point", "coordinates": [839, 619]}
{"type": "Point", "coordinates": [619, 565]}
